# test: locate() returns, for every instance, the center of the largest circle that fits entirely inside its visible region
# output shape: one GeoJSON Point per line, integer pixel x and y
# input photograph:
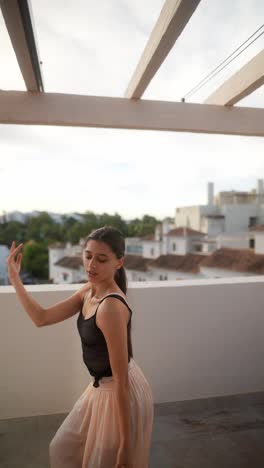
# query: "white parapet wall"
{"type": "Point", "coordinates": [192, 339]}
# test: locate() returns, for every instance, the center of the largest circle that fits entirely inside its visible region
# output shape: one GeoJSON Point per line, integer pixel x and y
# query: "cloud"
{"type": "Point", "coordinates": [93, 48]}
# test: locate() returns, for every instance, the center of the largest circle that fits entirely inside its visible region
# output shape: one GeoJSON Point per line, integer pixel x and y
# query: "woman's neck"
{"type": "Point", "coordinates": [101, 290]}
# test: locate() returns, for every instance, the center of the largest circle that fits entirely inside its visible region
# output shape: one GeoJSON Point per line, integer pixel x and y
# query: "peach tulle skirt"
{"type": "Point", "coordinates": [89, 436]}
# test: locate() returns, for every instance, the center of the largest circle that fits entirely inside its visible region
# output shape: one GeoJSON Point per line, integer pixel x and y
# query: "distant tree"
{"type": "Point", "coordinates": [114, 221]}
{"type": "Point", "coordinates": [35, 259]}
{"type": "Point", "coordinates": [75, 233]}
{"type": "Point", "coordinates": [12, 230]}
{"type": "Point", "coordinates": [142, 227]}
{"type": "Point", "coordinates": [44, 228]}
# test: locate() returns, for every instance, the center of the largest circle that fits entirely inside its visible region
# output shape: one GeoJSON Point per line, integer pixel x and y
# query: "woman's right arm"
{"type": "Point", "coordinates": [39, 315]}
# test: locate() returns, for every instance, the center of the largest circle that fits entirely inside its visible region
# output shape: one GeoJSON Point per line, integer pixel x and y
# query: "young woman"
{"type": "Point", "coordinates": [110, 425]}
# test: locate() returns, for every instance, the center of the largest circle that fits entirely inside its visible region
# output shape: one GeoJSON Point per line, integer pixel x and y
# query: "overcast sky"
{"type": "Point", "coordinates": [92, 48]}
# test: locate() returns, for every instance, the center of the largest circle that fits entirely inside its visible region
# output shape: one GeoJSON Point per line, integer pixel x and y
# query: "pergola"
{"type": "Point", "coordinates": [217, 115]}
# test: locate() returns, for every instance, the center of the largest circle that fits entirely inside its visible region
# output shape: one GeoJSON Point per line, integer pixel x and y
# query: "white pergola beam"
{"type": "Point", "coordinates": [18, 107]}
{"type": "Point", "coordinates": [173, 18]}
{"type": "Point", "coordinates": [19, 22]}
{"type": "Point", "coordinates": [249, 78]}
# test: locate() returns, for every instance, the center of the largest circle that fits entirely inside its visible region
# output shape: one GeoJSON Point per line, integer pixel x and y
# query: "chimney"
{"type": "Point", "coordinates": [210, 194]}
{"type": "Point", "coordinates": [260, 187]}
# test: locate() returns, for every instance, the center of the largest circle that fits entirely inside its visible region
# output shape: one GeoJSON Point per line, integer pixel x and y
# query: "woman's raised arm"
{"type": "Point", "coordinates": [39, 315]}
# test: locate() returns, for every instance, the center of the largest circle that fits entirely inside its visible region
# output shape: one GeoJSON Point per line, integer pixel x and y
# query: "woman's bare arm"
{"type": "Point", "coordinates": [112, 319]}
{"type": "Point", "coordinates": [39, 315]}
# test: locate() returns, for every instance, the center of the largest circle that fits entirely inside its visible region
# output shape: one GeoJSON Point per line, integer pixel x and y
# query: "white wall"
{"type": "Point", "coordinates": [259, 242]}
{"type": "Point", "coordinates": [54, 256]}
{"type": "Point", "coordinates": [209, 272]}
{"type": "Point", "coordinates": [239, 240]}
{"type": "Point", "coordinates": [133, 245]}
{"type": "Point", "coordinates": [183, 245]}
{"type": "Point", "coordinates": [151, 249]}
{"type": "Point", "coordinates": [3, 267]}
{"type": "Point", "coordinates": [192, 339]}
{"type": "Point", "coordinates": [161, 274]}
{"type": "Point", "coordinates": [62, 275]}
{"type": "Point", "coordinates": [237, 216]}
{"type": "Point", "coordinates": [135, 275]}
{"type": "Point", "coordinates": [213, 226]}
{"type": "Point", "coordinates": [188, 216]}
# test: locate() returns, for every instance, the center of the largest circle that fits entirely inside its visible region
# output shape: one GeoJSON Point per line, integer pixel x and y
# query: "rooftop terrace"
{"type": "Point", "coordinates": [200, 345]}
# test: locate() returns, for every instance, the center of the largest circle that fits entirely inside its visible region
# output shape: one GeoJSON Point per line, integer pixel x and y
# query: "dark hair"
{"type": "Point", "coordinates": [114, 239]}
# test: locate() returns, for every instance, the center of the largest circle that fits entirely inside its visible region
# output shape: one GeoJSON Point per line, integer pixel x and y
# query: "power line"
{"type": "Point", "coordinates": [217, 70]}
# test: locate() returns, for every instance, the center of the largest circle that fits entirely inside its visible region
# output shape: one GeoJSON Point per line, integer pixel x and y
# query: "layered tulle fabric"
{"type": "Point", "coordinates": [89, 436]}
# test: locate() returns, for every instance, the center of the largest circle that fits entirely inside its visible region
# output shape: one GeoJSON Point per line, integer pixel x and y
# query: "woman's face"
{"type": "Point", "coordinates": [100, 262]}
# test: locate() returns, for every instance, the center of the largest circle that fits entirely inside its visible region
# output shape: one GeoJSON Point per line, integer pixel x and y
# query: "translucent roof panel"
{"type": "Point", "coordinates": [10, 76]}
{"type": "Point", "coordinates": [214, 31]}
{"type": "Point", "coordinates": [255, 99]}
{"type": "Point", "coordinates": [92, 47]}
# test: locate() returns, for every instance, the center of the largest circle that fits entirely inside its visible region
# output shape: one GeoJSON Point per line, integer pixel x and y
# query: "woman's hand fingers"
{"type": "Point", "coordinates": [13, 250]}
{"type": "Point", "coordinates": [19, 259]}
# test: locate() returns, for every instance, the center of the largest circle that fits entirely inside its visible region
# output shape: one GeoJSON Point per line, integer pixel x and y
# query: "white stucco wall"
{"type": "Point", "coordinates": [222, 273]}
{"type": "Point", "coordinates": [54, 256]}
{"type": "Point", "coordinates": [151, 249]}
{"type": "Point", "coordinates": [3, 267]}
{"type": "Point", "coordinates": [188, 216]}
{"type": "Point", "coordinates": [237, 240]}
{"type": "Point", "coordinates": [183, 245]}
{"type": "Point", "coordinates": [133, 245]}
{"type": "Point", "coordinates": [212, 226]}
{"type": "Point", "coordinates": [237, 216]}
{"type": "Point", "coordinates": [64, 275]}
{"type": "Point", "coordinates": [161, 274]}
{"type": "Point", "coordinates": [259, 242]}
{"type": "Point", "coordinates": [134, 275]}
{"type": "Point", "coordinates": [192, 339]}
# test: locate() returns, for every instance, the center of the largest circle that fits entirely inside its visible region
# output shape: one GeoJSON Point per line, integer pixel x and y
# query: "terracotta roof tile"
{"type": "Point", "coordinates": [184, 231]}
{"type": "Point", "coordinates": [136, 262]}
{"type": "Point", "coordinates": [149, 237]}
{"type": "Point", "coordinates": [57, 245]}
{"type": "Point", "coordinates": [74, 263]}
{"type": "Point", "coordinates": [187, 263]}
{"type": "Point", "coordinates": [243, 260]}
{"type": "Point", "coordinates": [257, 228]}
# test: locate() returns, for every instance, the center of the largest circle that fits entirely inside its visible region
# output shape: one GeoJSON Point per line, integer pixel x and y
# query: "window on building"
{"type": "Point", "coordinates": [134, 249]}
{"type": "Point", "coordinates": [165, 277]}
{"type": "Point", "coordinates": [174, 247]}
{"type": "Point", "coordinates": [65, 276]}
{"type": "Point", "coordinates": [251, 243]}
{"type": "Point", "coordinates": [252, 221]}
{"type": "Point", "coordinates": [152, 252]}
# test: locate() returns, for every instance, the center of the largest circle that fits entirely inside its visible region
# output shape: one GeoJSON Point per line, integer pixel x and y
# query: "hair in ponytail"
{"type": "Point", "coordinates": [121, 279]}
{"type": "Point", "coordinates": [114, 239]}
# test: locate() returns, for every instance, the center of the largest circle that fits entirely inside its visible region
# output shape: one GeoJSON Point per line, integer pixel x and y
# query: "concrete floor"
{"type": "Point", "coordinates": [223, 432]}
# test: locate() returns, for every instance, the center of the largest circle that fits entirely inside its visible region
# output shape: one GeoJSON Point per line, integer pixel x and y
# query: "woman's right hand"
{"type": "Point", "coordinates": [13, 262]}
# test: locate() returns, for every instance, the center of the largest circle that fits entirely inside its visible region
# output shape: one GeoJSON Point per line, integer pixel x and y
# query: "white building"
{"type": "Point", "coordinates": [65, 263]}
{"type": "Point", "coordinates": [166, 240]}
{"type": "Point", "coordinates": [4, 252]}
{"type": "Point", "coordinates": [228, 212]}
{"type": "Point", "coordinates": [13, 216]}
{"type": "Point", "coordinates": [69, 270]}
{"type": "Point", "coordinates": [165, 267]}
{"type": "Point", "coordinates": [257, 238]}
{"type": "Point", "coordinates": [169, 254]}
